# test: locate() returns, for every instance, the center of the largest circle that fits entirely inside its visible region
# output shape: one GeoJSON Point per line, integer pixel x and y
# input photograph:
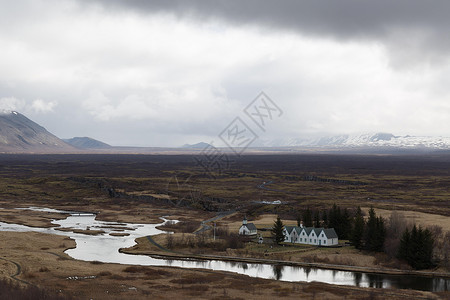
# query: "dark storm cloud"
{"type": "Point", "coordinates": [175, 72]}
{"type": "Point", "coordinates": [346, 19]}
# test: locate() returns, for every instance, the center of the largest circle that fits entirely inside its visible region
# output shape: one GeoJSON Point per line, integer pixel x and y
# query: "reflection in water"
{"type": "Point", "coordinates": [334, 272]}
{"type": "Point", "coordinates": [358, 277]}
{"type": "Point", "coordinates": [375, 281]}
{"type": "Point", "coordinates": [169, 262]}
{"type": "Point", "coordinates": [307, 271]}
{"type": "Point", "coordinates": [105, 248]}
{"type": "Point", "coordinates": [278, 271]}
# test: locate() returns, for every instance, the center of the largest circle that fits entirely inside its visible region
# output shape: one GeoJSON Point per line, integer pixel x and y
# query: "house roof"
{"type": "Point", "coordinates": [289, 229]}
{"type": "Point", "coordinates": [298, 229]}
{"type": "Point", "coordinates": [317, 231]}
{"type": "Point", "coordinates": [330, 233]}
{"type": "Point", "coordinates": [250, 226]}
{"type": "Point", "coordinates": [307, 230]}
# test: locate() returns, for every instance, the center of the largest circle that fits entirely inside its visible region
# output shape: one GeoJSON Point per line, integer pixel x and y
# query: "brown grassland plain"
{"type": "Point", "coordinates": [142, 188]}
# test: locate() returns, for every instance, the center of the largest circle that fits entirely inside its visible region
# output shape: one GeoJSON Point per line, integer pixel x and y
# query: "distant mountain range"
{"type": "Point", "coordinates": [86, 143]}
{"type": "Point", "coordinates": [201, 145]}
{"type": "Point", "coordinates": [366, 140]}
{"type": "Point", "coordinates": [20, 134]}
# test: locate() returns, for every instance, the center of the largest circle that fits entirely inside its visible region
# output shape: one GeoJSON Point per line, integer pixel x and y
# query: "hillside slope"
{"type": "Point", "coordinates": [18, 134]}
{"type": "Point", "coordinates": [86, 143]}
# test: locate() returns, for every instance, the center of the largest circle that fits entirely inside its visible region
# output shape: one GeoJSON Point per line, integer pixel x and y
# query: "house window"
{"type": "Point", "coordinates": [301, 239]}
{"type": "Point", "coordinates": [314, 240]}
{"type": "Point", "coordinates": [325, 241]}
{"type": "Point", "coordinates": [310, 240]}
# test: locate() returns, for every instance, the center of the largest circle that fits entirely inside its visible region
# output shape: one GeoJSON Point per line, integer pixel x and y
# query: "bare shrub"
{"type": "Point", "coordinates": [169, 241]}
{"type": "Point", "coordinates": [446, 250]}
{"type": "Point", "coordinates": [11, 290]}
{"type": "Point", "coordinates": [396, 225]}
{"type": "Point", "coordinates": [183, 226]}
{"type": "Point", "coordinates": [441, 249]}
{"type": "Point", "coordinates": [222, 231]}
{"type": "Point", "coordinates": [104, 273]}
{"type": "Point", "coordinates": [234, 241]}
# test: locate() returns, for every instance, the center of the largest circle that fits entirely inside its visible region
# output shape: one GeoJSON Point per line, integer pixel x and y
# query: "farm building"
{"type": "Point", "coordinates": [310, 235]}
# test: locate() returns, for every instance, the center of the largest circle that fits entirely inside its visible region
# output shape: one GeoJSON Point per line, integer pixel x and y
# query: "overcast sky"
{"type": "Point", "coordinates": [166, 73]}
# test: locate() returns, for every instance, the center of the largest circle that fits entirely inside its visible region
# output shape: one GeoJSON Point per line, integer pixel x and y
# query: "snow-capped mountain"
{"type": "Point", "coordinates": [379, 139]}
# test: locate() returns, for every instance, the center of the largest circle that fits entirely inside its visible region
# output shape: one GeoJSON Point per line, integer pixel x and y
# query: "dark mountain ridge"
{"type": "Point", "coordinates": [19, 134]}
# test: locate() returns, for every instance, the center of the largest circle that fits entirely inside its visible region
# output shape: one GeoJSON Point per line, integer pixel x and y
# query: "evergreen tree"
{"type": "Point", "coordinates": [371, 229]}
{"type": "Point", "coordinates": [380, 235]}
{"type": "Point", "coordinates": [316, 219]}
{"type": "Point", "coordinates": [346, 225]}
{"type": "Point", "coordinates": [422, 248]}
{"type": "Point", "coordinates": [334, 219]}
{"type": "Point", "coordinates": [325, 218]}
{"type": "Point", "coordinates": [416, 248]}
{"type": "Point", "coordinates": [299, 219]}
{"type": "Point", "coordinates": [278, 231]}
{"type": "Point", "coordinates": [358, 229]}
{"type": "Point", "coordinates": [428, 245]}
{"type": "Point", "coordinates": [414, 244]}
{"type": "Point", "coordinates": [403, 250]}
{"type": "Point", "coordinates": [307, 218]}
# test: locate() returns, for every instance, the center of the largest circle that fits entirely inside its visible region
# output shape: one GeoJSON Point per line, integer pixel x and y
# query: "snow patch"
{"type": "Point", "coordinates": [364, 140]}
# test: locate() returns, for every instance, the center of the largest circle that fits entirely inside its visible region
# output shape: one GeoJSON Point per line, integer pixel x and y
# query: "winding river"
{"type": "Point", "coordinates": [105, 248]}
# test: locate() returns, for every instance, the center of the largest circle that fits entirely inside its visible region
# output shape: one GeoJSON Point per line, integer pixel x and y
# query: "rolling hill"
{"type": "Point", "coordinates": [86, 143]}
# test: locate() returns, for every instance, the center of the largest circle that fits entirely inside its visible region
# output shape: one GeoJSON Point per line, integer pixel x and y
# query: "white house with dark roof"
{"type": "Point", "coordinates": [247, 228]}
{"type": "Point", "coordinates": [310, 235]}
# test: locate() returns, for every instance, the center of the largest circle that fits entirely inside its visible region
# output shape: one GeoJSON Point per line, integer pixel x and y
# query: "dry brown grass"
{"type": "Point", "coordinates": [29, 218]}
{"type": "Point", "coordinates": [420, 218]}
{"type": "Point", "coordinates": [262, 221]}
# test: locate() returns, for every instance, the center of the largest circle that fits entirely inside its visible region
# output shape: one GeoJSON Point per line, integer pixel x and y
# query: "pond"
{"type": "Point", "coordinates": [105, 248]}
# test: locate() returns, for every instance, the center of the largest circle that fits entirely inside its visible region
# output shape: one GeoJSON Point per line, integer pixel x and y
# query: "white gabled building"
{"type": "Point", "coordinates": [247, 228]}
{"type": "Point", "coordinates": [310, 235]}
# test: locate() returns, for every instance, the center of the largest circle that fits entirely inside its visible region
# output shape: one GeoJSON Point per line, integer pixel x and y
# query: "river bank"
{"type": "Point", "coordinates": [142, 243]}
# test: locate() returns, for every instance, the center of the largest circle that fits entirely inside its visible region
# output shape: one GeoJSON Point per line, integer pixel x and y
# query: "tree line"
{"type": "Point", "coordinates": [349, 225]}
{"type": "Point", "coordinates": [415, 246]}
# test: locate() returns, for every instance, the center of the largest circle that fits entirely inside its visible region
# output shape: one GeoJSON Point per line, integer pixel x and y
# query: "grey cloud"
{"type": "Point", "coordinates": [414, 32]}
{"type": "Point", "coordinates": [343, 19]}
